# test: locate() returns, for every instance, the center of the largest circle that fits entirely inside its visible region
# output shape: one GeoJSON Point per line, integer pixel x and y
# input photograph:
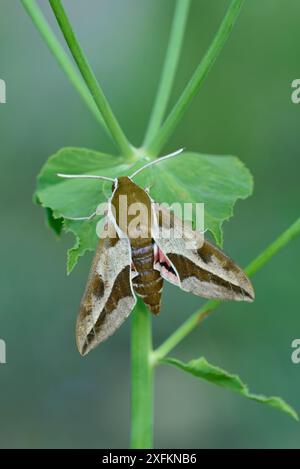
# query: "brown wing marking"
{"type": "Point", "coordinates": [201, 282]}
{"type": "Point", "coordinates": [201, 268]}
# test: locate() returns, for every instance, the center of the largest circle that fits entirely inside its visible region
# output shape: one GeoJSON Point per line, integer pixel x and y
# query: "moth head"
{"type": "Point", "coordinates": [121, 182]}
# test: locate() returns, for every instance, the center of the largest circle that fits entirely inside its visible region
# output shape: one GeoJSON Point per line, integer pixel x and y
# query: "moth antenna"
{"type": "Point", "coordinates": [158, 160]}
{"type": "Point", "coordinates": [89, 217]}
{"type": "Point", "coordinates": [84, 176]}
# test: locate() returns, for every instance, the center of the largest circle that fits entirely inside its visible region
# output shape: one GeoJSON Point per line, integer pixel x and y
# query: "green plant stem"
{"type": "Point", "coordinates": [197, 79]}
{"type": "Point", "coordinates": [192, 322]}
{"type": "Point", "coordinates": [141, 378]}
{"type": "Point", "coordinates": [169, 69]}
{"type": "Point", "coordinates": [288, 235]}
{"type": "Point", "coordinates": [65, 63]}
{"type": "Point", "coordinates": [90, 79]}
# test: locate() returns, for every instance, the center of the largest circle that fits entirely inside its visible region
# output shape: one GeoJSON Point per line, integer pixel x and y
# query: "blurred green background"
{"type": "Point", "coordinates": [50, 396]}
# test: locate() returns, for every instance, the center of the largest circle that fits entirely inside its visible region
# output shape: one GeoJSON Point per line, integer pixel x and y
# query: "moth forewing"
{"type": "Point", "coordinates": [108, 298]}
{"type": "Point", "coordinates": [203, 270]}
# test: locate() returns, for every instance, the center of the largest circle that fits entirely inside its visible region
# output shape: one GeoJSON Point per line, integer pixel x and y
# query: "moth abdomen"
{"type": "Point", "coordinates": [148, 284]}
{"type": "Point", "coordinates": [141, 251]}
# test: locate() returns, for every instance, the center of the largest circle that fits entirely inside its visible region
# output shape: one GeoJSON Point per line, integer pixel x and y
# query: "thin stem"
{"type": "Point", "coordinates": [192, 322]}
{"type": "Point", "coordinates": [65, 63]}
{"type": "Point", "coordinates": [183, 331]}
{"type": "Point", "coordinates": [197, 79]}
{"type": "Point", "coordinates": [169, 69]}
{"type": "Point", "coordinates": [141, 378]}
{"type": "Point", "coordinates": [90, 79]}
{"type": "Point", "coordinates": [287, 236]}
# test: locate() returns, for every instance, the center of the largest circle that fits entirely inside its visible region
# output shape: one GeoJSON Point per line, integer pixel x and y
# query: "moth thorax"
{"type": "Point", "coordinates": [132, 210]}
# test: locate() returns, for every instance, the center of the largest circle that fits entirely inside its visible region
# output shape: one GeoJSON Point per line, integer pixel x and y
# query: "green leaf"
{"type": "Point", "coordinates": [218, 181]}
{"type": "Point", "coordinates": [86, 240]}
{"type": "Point", "coordinates": [75, 198]}
{"type": "Point", "coordinates": [65, 198]}
{"type": "Point", "coordinates": [56, 224]}
{"type": "Point", "coordinates": [202, 369]}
